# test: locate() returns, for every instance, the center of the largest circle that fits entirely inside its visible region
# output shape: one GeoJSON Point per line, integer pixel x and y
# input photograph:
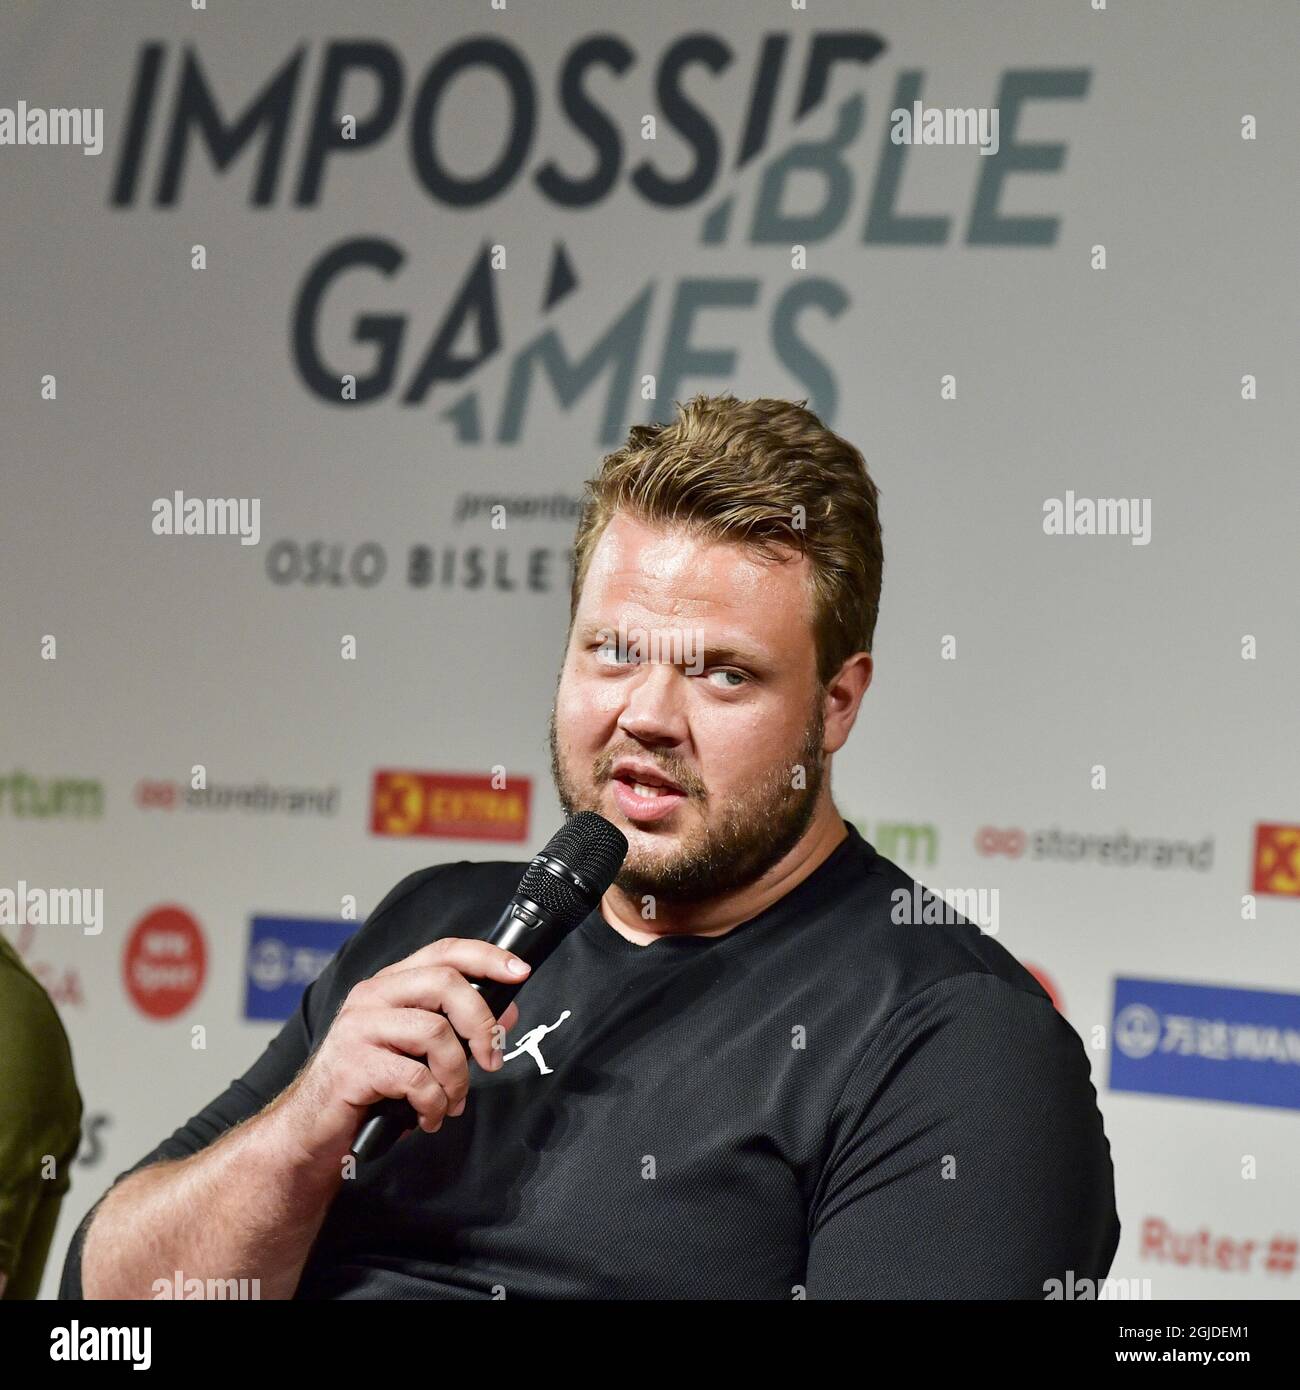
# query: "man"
{"type": "Point", "coordinates": [740, 1077]}
{"type": "Point", "coordinates": [40, 1124]}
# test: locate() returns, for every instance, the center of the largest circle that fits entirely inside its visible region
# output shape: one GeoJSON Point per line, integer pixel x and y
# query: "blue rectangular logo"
{"type": "Point", "coordinates": [1209, 1042]}
{"type": "Point", "coordinates": [285, 954]}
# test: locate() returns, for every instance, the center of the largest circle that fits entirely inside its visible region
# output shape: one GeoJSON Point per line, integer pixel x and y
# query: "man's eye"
{"type": "Point", "coordinates": [740, 678]}
{"type": "Point", "coordinates": [608, 655]}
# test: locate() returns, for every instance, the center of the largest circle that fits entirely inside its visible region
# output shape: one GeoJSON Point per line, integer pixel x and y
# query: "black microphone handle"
{"type": "Point", "coordinates": [527, 931]}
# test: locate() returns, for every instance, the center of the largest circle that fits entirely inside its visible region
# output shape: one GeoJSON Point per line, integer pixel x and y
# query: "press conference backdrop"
{"type": "Point", "coordinates": [395, 278]}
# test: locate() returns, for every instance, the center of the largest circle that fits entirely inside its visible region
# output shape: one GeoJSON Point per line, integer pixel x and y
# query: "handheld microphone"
{"type": "Point", "coordinates": [560, 887]}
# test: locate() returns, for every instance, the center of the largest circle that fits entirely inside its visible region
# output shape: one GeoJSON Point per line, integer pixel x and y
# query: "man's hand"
{"type": "Point", "coordinates": [398, 1035]}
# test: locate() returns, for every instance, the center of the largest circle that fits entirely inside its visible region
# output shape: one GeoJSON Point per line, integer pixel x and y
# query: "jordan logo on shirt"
{"type": "Point", "coordinates": [528, 1043]}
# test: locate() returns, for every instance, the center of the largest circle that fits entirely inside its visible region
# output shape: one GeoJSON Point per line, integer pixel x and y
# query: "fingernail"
{"type": "Point", "coordinates": [457, 1109]}
{"type": "Point", "coordinates": [517, 966]}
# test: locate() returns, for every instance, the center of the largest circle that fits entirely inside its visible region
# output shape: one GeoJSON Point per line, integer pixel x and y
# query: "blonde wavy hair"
{"type": "Point", "coordinates": [762, 473]}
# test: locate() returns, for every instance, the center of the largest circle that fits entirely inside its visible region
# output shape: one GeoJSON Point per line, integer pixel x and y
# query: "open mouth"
{"type": "Point", "coordinates": [645, 795]}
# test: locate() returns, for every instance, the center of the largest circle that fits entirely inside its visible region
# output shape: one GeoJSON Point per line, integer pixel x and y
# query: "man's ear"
{"type": "Point", "coordinates": [843, 698]}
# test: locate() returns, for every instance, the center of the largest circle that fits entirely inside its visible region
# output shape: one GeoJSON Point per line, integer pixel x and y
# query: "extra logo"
{"type": "Point", "coordinates": [1277, 860]}
{"type": "Point", "coordinates": [450, 805]}
{"type": "Point", "coordinates": [164, 963]}
{"type": "Point", "coordinates": [1206, 1042]}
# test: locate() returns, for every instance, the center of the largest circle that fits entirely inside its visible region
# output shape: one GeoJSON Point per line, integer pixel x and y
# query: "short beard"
{"type": "Point", "coordinates": [754, 832]}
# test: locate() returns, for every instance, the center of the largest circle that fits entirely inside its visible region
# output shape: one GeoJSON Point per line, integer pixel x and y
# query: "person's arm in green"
{"type": "Point", "coordinates": [40, 1125]}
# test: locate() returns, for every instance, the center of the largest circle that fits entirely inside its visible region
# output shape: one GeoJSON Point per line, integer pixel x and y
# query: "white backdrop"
{"type": "Point", "coordinates": [1071, 652]}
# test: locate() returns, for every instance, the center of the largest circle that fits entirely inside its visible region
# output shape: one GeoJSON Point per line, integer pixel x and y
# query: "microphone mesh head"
{"type": "Point", "coordinates": [589, 845]}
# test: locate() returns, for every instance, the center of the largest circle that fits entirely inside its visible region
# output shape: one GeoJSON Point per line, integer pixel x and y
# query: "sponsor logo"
{"type": "Point", "coordinates": [785, 112]}
{"type": "Point", "coordinates": [1202, 1249]}
{"type": "Point", "coordinates": [470, 568]}
{"type": "Point", "coordinates": [1120, 850]}
{"type": "Point", "coordinates": [1206, 1042]}
{"type": "Point", "coordinates": [256, 797]}
{"type": "Point", "coordinates": [164, 962]}
{"type": "Point", "coordinates": [61, 982]}
{"type": "Point", "coordinates": [450, 805]}
{"type": "Point", "coordinates": [1277, 860]}
{"type": "Point", "coordinates": [500, 509]}
{"type": "Point", "coordinates": [22, 796]}
{"type": "Point", "coordinates": [285, 954]}
{"type": "Point", "coordinates": [91, 1151]}
{"type": "Point", "coordinates": [904, 842]}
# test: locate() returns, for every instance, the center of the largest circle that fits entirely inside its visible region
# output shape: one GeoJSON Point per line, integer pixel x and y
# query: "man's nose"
{"type": "Point", "coordinates": [654, 711]}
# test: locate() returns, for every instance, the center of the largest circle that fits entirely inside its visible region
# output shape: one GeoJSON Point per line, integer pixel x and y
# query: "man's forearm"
{"type": "Point", "coordinates": [247, 1207]}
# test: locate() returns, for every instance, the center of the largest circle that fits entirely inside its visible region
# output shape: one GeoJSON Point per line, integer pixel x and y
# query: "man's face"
{"type": "Point", "coordinates": [693, 664]}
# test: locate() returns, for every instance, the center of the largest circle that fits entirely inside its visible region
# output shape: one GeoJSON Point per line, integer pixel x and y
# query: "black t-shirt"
{"type": "Point", "coordinates": [820, 1101]}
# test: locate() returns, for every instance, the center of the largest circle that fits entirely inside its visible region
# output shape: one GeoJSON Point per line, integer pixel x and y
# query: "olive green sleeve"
{"type": "Point", "coordinates": [40, 1123]}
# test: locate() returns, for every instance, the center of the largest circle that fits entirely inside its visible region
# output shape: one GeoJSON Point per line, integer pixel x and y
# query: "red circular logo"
{"type": "Point", "coordinates": [164, 962]}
